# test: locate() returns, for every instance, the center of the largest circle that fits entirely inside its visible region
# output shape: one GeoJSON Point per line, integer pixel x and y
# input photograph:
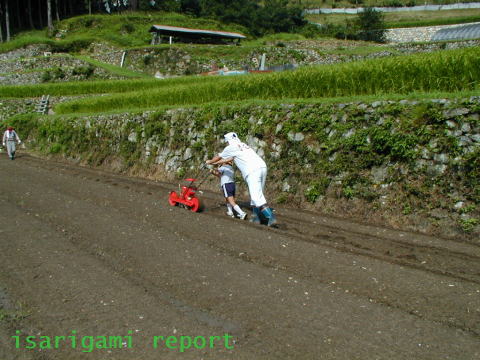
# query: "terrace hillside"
{"type": "Point", "coordinates": [405, 115]}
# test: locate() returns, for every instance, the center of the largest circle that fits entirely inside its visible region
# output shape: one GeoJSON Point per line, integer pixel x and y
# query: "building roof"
{"type": "Point", "coordinates": [181, 31]}
{"type": "Point", "coordinates": [464, 32]}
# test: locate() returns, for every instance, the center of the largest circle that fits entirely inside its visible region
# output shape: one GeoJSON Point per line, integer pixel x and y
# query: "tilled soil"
{"type": "Point", "coordinates": [91, 253]}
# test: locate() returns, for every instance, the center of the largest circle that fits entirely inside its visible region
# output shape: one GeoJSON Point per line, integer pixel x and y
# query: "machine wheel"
{"type": "Point", "coordinates": [172, 199]}
{"type": "Point", "coordinates": [196, 205]}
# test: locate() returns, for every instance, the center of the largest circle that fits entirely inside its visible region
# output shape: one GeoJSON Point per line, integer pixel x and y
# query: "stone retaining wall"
{"type": "Point", "coordinates": [419, 34]}
{"type": "Point", "coordinates": [408, 164]}
{"type": "Point", "coordinates": [174, 61]}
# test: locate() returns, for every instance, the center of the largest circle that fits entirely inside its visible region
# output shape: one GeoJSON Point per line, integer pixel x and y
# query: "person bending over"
{"type": "Point", "coordinates": [254, 172]}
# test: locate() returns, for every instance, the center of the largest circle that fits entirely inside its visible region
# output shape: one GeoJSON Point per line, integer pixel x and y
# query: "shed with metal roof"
{"type": "Point", "coordinates": [182, 34]}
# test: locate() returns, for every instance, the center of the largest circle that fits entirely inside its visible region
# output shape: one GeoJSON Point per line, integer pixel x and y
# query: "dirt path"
{"type": "Point", "coordinates": [88, 253]}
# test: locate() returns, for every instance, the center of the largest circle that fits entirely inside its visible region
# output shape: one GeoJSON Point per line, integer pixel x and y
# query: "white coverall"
{"type": "Point", "coordinates": [10, 138]}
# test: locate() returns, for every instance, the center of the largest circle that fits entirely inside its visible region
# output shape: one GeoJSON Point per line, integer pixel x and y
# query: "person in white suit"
{"type": "Point", "coordinates": [10, 138]}
{"type": "Point", "coordinates": [254, 172]}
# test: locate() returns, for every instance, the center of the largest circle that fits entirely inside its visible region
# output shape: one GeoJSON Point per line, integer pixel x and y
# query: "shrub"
{"type": "Point", "coordinates": [86, 70]}
{"type": "Point", "coordinates": [46, 76]}
{"type": "Point", "coordinates": [317, 189]}
{"type": "Point", "coordinates": [128, 28]}
{"type": "Point", "coordinates": [58, 73]}
{"type": "Point", "coordinates": [468, 224]}
{"type": "Point", "coordinates": [371, 24]}
{"type": "Point", "coordinates": [311, 30]}
{"type": "Point", "coordinates": [393, 3]}
{"type": "Point", "coordinates": [73, 46]}
{"type": "Point", "coordinates": [147, 59]}
{"type": "Point", "coordinates": [55, 148]}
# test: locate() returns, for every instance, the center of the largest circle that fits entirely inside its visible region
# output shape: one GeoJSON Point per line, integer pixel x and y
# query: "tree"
{"type": "Point", "coordinates": [191, 7]}
{"type": "Point", "coordinates": [115, 5]}
{"type": "Point", "coordinates": [278, 16]}
{"type": "Point", "coordinates": [273, 16]}
{"type": "Point", "coordinates": [30, 17]}
{"type": "Point", "coordinates": [7, 20]}
{"type": "Point", "coordinates": [165, 5]}
{"type": "Point", "coordinates": [1, 24]}
{"type": "Point", "coordinates": [49, 18]}
{"type": "Point", "coordinates": [56, 10]}
{"type": "Point", "coordinates": [371, 24]}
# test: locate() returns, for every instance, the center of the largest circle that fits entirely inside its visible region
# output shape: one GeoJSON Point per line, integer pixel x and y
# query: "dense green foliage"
{"type": "Point", "coordinates": [125, 30]}
{"type": "Point", "coordinates": [274, 16]}
{"type": "Point", "coordinates": [372, 25]}
{"type": "Point", "coordinates": [257, 18]}
{"type": "Point", "coordinates": [68, 45]}
{"type": "Point", "coordinates": [368, 25]}
{"type": "Point", "coordinates": [453, 70]}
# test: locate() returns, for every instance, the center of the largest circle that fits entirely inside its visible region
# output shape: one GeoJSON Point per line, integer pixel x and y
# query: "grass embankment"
{"type": "Point", "coordinates": [407, 18]}
{"type": "Point", "coordinates": [130, 29]}
{"type": "Point", "coordinates": [115, 70]}
{"type": "Point", "coordinates": [96, 87]}
{"type": "Point", "coordinates": [448, 71]}
{"type": "Point", "coordinates": [317, 4]}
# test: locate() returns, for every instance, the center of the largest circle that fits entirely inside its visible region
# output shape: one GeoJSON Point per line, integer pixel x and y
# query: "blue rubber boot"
{"type": "Point", "coordinates": [255, 215]}
{"type": "Point", "coordinates": [268, 213]}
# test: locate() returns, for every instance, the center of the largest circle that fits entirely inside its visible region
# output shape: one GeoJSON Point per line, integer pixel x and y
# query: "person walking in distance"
{"type": "Point", "coordinates": [227, 181]}
{"type": "Point", "coordinates": [10, 138]}
{"type": "Point", "coordinates": [254, 171]}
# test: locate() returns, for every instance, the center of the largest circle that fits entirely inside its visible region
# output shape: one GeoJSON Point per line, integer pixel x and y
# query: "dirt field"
{"type": "Point", "coordinates": [88, 255]}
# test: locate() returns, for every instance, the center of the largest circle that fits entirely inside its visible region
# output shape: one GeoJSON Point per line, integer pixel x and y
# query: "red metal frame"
{"type": "Point", "coordinates": [187, 197]}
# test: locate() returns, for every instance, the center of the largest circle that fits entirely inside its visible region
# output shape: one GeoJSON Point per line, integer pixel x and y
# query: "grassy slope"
{"type": "Point", "coordinates": [449, 71]}
{"type": "Point", "coordinates": [335, 81]}
{"type": "Point", "coordinates": [124, 30]}
{"type": "Point", "coordinates": [407, 18]}
{"type": "Point", "coordinates": [316, 4]}
{"type": "Point", "coordinates": [130, 30]}
{"type": "Point", "coordinates": [116, 70]}
{"type": "Point", "coordinates": [412, 77]}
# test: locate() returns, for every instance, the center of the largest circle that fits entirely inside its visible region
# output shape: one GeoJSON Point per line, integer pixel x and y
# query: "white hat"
{"type": "Point", "coordinates": [231, 137]}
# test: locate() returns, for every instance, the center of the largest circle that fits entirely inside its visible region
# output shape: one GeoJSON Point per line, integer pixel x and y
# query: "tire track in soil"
{"type": "Point", "coordinates": [451, 264]}
{"type": "Point", "coordinates": [267, 252]}
{"type": "Point", "coordinates": [441, 261]}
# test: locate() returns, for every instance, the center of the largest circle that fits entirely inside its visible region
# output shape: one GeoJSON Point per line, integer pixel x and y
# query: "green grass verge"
{"type": "Point", "coordinates": [362, 50]}
{"type": "Point", "coordinates": [407, 18]}
{"type": "Point", "coordinates": [434, 22]}
{"type": "Point", "coordinates": [414, 96]}
{"type": "Point", "coordinates": [29, 71]}
{"type": "Point", "coordinates": [95, 87]}
{"type": "Point", "coordinates": [116, 70]}
{"type": "Point", "coordinates": [449, 71]}
{"type": "Point", "coordinates": [316, 4]}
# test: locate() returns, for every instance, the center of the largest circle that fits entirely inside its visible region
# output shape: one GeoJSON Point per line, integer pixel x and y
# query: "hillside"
{"type": "Point", "coordinates": [373, 155]}
{"type": "Point", "coordinates": [84, 79]}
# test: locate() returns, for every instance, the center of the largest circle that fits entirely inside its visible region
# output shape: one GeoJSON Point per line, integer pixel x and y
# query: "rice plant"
{"type": "Point", "coordinates": [449, 71]}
